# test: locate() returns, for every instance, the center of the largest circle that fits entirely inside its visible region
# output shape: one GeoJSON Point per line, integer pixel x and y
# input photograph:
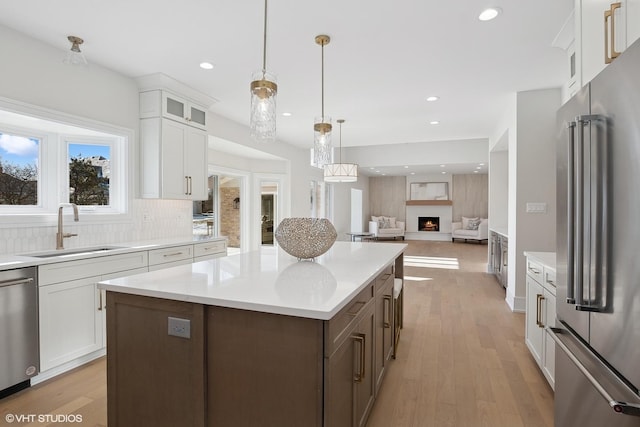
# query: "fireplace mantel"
{"type": "Point", "coordinates": [429, 202]}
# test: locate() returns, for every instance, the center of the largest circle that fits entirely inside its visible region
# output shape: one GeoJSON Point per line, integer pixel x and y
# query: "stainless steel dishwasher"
{"type": "Point", "coordinates": [19, 355]}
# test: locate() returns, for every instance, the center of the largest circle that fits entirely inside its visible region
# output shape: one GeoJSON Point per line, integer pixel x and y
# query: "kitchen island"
{"type": "Point", "coordinates": [253, 339]}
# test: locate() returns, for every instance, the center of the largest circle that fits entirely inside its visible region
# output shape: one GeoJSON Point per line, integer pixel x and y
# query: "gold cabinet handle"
{"type": "Point", "coordinates": [359, 304]}
{"type": "Point", "coordinates": [539, 299]}
{"type": "Point", "coordinates": [610, 52]}
{"type": "Point", "coordinates": [386, 322]}
{"type": "Point", "coordinates": [360, 372]}
{"type": "Point", "coordinates": [100, 304]}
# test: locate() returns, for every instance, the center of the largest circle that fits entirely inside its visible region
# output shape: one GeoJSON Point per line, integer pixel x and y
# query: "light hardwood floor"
{"type": "Point", "coordinates": [461, 361]}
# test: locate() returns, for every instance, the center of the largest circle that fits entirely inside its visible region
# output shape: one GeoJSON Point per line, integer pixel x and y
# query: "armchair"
{"type": "Point", "coordinates": [386, 227]}
{"type": "Point", "coordinates": [470, 229]}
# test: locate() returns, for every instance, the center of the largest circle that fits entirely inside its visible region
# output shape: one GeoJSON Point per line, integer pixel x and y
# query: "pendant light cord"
{"type": "Point", "coordinates": [340, 142]}
{"type": "Point", "coordinates": [322, 79]}
{"type": "Point", "coordinates": [264, 43]}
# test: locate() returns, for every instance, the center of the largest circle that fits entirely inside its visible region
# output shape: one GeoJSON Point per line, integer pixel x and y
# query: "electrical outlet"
{"type": "Point", "coordinates": [146, 217]}
{"type": "Point", "coordinates": [179, 327]}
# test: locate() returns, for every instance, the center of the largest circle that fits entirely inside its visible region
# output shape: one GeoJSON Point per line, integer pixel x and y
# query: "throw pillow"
{"type": "Point", "coordinates": [385, 223]}
{"type": "Point", "coordinates": [392, 221]}
{"type": "Point", "coordinates": [465, 222]}
{"type": "Point", "coordinates": [474, 224]}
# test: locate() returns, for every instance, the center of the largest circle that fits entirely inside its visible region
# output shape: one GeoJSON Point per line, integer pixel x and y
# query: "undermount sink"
{"type": "Point", "coordinates": [72, 252]}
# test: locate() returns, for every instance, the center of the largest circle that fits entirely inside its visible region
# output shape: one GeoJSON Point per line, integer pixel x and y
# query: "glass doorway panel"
{"type": "Point", "coordinates": [268, 211]}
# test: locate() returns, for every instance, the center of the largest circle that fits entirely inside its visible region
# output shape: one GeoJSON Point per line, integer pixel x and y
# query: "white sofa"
{"type": "Point", "coordinates": [384, 227]}
{"type": "Point", "coordinates": [467, 230]}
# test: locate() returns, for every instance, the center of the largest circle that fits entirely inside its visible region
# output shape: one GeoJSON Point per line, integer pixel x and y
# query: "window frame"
{"type": "Point", "coordinates": [53, 167]}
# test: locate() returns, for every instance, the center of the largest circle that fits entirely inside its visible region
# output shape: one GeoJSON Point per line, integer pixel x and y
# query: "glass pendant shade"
{"type": "Point", "coordinates": [322, 141]}
{"type": "Point", "coordinates": [74, 54]}
{"type": "Point", "coordinates": [341, 172]}
{"type": "Point", "coordinates": [263, 107]}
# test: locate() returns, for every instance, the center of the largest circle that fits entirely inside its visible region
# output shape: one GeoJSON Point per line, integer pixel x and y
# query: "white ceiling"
{"type": "Point", "coordinates": [384, 58]}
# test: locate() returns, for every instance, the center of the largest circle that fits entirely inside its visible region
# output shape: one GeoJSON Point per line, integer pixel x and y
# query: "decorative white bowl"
{"type": "Point", "coordinates": [305, 238]}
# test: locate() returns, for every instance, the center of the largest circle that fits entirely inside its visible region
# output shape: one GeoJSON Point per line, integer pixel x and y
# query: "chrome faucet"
{"type": "Point", "coordinates": [60, 235]}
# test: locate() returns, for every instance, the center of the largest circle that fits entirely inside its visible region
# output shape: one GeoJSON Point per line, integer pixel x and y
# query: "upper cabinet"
{"type": "Point", "coordinates": [162, 103]}
{"type": "Point", "coordinates": [173, 146]}
{"type": "Point", "coordinates": [603, 30]}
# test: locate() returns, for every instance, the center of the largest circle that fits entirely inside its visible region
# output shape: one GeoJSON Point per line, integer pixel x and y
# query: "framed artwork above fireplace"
{"type": "Point", "coordinates": [429, 191]}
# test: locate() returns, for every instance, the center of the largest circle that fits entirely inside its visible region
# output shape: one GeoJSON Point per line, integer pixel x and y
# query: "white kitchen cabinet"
{"type": "Point", "coordinates": [174, 160]}
{"type": "Point", "coordinates": [70, 323]}
{"type": "Point", "coordinates": [541, 312]}
{"type": "Point", "coordinates": [209, 250]}
{"type": "Point", "coordinates": [170, 257]}
{"type": "Point", "coordinates": [604, 29]}
{"type": "Point", "coordinates": [71, 307]}
{"type": "Point", "coordinates": [162, 103]}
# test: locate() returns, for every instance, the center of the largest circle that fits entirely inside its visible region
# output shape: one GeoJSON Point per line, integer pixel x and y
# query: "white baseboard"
{"type": "Point", "coordinates": [516, 304]}
{"type": "Point", "coordinates": [428, 235]}
{"type": "Point", "coordinates": [50, 373]}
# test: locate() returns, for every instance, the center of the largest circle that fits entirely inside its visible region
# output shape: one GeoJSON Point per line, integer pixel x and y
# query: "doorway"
{"type": "Point", "coordinates": [220, 214]}
{"type": "Point", "coordinates": [268, 211]}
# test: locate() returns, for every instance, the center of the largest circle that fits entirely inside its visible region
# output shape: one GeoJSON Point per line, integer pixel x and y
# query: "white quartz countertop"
{"type": "Point", "coordinates": [29, 259]}
{"type": "Point", "coordinates": [269, 280]}
{"type": "Point", "coordinates": [545, 258]}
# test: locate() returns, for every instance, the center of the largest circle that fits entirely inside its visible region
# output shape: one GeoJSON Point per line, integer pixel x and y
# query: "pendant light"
{"type": "Point", "coordinates": [322, 124]}
{"type": "Point", "coordinates": [74, 55]}
{"type": "Point", "coordinates": [263, 97]}
{"type": "Point", "coordinates": [341, 172]}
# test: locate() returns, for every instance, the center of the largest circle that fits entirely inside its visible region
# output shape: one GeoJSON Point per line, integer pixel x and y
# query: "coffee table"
{"type": "Point", "coordinates": [363, 235]}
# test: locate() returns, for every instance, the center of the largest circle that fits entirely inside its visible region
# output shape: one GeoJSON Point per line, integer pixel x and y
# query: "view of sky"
{"type": "Point", "coordinates": [18, 150]}
{"type": "Point", "coordinates": [22, 151]}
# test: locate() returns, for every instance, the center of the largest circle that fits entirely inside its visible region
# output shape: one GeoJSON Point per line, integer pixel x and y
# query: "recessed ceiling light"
{"type": "Point", "coordinates": [377, 171]}
{"type": "Point", "coordinates": [406, 167]}
{"type": "Point", "coordinates": [441, 166]}
{"type": "Point", "coordinates": [206, 65]}
{"type": "Point", "coordinates": [489, 13]}
{"type": "Point", "coordinates": [443, 172]}
{"type": "Point", "coordinates": [287, 114]}
{"type": "Point", "coordinates": [478, 168]}
{"type": "Point", "coordinates": [372, 168]}
{"type": "Point", "coordinates": [434, 122]}
{"type": "Point", "coordinates": [475, 171]}
{"type": "Point", "coordinates": [481, 164]}
{"type": "Point", "coordinates": [413, 173]}
{"type": "Point", "coordinates": [432, 98]}
{"type": "Point", "coordinates": [383, 174]}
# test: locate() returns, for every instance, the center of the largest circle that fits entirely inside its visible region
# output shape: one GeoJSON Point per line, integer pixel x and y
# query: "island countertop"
{"type": "Point", "coordinates": [269, 280]}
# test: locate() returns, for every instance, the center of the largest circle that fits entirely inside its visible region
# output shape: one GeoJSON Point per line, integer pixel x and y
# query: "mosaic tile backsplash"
{"type": "Point", "coordinates": [151, 219]}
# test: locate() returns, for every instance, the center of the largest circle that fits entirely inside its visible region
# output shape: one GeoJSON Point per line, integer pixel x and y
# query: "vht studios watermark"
{"type": "Point", "coordinates": [43, 418]}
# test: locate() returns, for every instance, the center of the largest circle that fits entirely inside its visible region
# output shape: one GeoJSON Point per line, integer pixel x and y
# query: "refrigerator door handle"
{"type": "Point", "coordinates": [578, 216]}
{"type": "Point", "coordinates": [596, 234]}
{"type": "Point", "coordinates": [571, 299]}
{"type": "Point", "coordinates": [617, 405]}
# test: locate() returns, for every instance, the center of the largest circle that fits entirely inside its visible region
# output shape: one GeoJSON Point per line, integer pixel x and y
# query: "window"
{"type": "Point", "coordinates": [47, 162]}
{"type": "Point", "coordinates": [89, 173]}
{"type": "Point", "coordinates": [19, 175]}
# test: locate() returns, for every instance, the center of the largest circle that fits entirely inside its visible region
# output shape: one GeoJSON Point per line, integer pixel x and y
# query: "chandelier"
{"type": "Point", "coordinates": [263, 97]}
{"type": "Point", "coordinates": [322, 124]}
{"type": "Point", "coordinates": [341, 172]}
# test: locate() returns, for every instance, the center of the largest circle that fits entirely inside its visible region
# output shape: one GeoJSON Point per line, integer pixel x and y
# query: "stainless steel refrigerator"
{"type": "Point", "coordinates": [598, 251]}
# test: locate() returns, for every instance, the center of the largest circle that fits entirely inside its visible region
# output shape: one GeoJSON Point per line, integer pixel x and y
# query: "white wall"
{"type": "Point", "coordinates": [536, 178]}
{"type": "Point", "coordinates": [342, 205]}
{"type": "Point", "coordinates": [529, 126]}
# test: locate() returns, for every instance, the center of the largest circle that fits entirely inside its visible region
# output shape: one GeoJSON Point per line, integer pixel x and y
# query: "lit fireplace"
{"type": "Point", "coordinates": [428, 223]}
